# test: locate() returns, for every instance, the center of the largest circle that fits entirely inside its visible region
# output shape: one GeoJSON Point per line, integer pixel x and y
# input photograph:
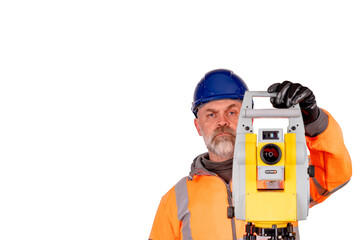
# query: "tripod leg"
{"type": "Point", "coordinates": [249, 237]}
{"type": "Point", "coordinates": [249, 232]}
{"type": "Point", "coordinates": [290, 235]}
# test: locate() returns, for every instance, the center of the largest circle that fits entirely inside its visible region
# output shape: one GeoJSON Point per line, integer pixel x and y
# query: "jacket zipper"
{"type": "Point", "coordinates": [230, 202]}
{"type": "Point", "coordinates": [231, 205]}
{"type": "Point", "coordinates": [229, 195]}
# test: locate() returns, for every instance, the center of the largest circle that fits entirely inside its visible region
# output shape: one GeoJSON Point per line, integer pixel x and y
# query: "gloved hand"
{"type": "Point", "coordinates": [289, 94]}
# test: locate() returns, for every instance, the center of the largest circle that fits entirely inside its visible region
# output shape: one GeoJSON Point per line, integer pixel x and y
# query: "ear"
{"type": "Point", "coordinates": [196, 122]}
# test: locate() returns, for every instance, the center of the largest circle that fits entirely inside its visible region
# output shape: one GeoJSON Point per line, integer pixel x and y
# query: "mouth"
{"type": "Point", "coordinates": [223, 134]}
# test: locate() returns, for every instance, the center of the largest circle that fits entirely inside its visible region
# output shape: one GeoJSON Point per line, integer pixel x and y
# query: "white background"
{"type": "Point", "coordinates": [95, 97]}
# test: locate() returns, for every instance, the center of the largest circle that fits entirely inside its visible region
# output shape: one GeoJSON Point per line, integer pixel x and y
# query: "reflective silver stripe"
{"type": "Point", "coordinates": [313, 203]}
{"type": "Point", "coordinates": [297, 234]}
{"type": "Point", "coordinates": [324, 192]}
{"type": "Point", "coordinates": [183, 213]}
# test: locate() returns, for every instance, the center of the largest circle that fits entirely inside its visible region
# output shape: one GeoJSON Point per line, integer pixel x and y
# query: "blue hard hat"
{"type": "Point", "coordinates": [218, 84]}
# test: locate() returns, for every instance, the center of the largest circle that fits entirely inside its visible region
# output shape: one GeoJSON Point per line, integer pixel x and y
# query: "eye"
{"type": "Point", "coordinates": [232, 113]}
{"type": "Point", "coordinates": [211, 115]}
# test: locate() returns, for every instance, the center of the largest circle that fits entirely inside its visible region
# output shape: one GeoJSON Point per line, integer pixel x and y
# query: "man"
{"type": "Point", "coordinates": [196, 207]}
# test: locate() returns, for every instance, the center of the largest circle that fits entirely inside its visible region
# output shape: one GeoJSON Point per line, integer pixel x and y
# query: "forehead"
{"type": "Point", "coordinates": [219, 105]}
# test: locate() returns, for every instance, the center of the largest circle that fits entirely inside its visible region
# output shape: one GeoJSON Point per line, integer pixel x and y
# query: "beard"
{"type": "Point", "coordinates": [222, 146]}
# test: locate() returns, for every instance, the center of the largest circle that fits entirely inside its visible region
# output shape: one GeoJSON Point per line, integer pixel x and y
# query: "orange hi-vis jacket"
{"type": "Point", "coordinates": [196, 207]}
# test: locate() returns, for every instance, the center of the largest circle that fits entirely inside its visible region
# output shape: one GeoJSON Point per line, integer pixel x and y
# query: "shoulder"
{"type": "Point", "coordinates": [170, 196]}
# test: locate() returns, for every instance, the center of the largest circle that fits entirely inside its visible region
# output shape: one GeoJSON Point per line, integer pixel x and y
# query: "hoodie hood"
{"type": "Point", "coordinates": [197, 167]}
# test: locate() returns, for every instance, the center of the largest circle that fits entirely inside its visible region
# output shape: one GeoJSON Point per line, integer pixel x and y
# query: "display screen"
{"type": "Point", "coordinates": [271, 135]}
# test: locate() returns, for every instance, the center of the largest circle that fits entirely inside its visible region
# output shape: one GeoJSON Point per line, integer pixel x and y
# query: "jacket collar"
{"type": "Point", "coordinates": [197, 168]}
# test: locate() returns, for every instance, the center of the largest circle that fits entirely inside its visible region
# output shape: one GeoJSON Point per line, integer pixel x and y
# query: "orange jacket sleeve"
{"type": "Point", "coordinates": [331, 160]}
{"type": "Point", "coordinates": [166, 224]}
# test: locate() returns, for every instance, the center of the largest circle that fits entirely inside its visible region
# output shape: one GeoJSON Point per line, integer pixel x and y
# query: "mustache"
{"type": "Point", "coordinates": [223, 129]}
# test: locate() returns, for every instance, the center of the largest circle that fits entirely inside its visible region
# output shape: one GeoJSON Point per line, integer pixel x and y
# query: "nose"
{"type": "Point", "coordinates": [223, 121]}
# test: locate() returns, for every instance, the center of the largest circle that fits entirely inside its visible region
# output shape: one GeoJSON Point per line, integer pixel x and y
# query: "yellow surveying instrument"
{"type": "Point", "coordinates": [270, 172]}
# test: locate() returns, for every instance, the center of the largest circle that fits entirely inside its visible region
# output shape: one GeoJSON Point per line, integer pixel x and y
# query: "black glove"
{"type": "Point", "coordinates": [289, 94]}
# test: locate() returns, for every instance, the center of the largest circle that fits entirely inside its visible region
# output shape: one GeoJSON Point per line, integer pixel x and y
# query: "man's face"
{"type": "Point", "coordinates": [217, 122]}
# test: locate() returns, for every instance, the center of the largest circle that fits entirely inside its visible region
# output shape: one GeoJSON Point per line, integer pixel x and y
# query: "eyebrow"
{"type": "Point", "coordinates": [227, 108]}
{"type": "Point", "coordinates": [231, 106]}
